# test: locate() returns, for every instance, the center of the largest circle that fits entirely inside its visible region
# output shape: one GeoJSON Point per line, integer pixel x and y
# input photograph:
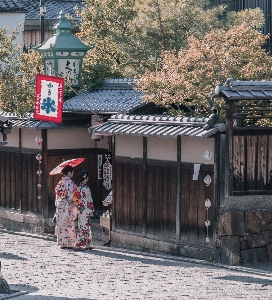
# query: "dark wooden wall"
{"type": "Point", "coordinates": [193, 210]}
{"type": "Point", "coordinates": [99, 192]}
{"type": "Point", "coordinates": [19, 179]}
{"type": "Point", "coordinates": [252, 162]}
{"type": "Point", "coordinates": [128, 203]}
{"type": "Point", "coordinates": [161, 199]}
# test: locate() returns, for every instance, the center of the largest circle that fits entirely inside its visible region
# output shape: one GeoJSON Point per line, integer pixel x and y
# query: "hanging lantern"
{"type": "Point", "coordinates": [38, 140]}
{"type": "Point", "coordinates": [208, 180]}
{"type": "Point", "coordinates": [64, 52]}
{"type": "Point", "coordinates": [39, 157]}
{"type": "Point", "coordinates": [39, 172]}
{"type": "Point", "coordinates": [207, 155]}
{"type": "Point", "coordinates": [207, 223]}
{"type": "Point", "coordinates": [208, 203]}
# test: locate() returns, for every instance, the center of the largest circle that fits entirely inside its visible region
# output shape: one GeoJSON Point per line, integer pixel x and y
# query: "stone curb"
{"type": "Point", "coordinates": [164, 256]}
{"type": "Point", "coordinates": [13, 295]}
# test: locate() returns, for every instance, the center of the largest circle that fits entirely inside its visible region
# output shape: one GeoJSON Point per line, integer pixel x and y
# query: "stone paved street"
{"type": "Point", "coordinates": [46, 272]}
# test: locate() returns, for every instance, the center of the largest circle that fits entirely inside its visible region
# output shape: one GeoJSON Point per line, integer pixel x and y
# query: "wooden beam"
{"type": "Point", "coordinates": [20, 171]}
{"type": "Point", "coordinates": [45, 174]}
{"type": "Point", "coordinates": [144, 186]}
{"type": "Point", "coordinates": [178, 203]}
{"type": "Point", "coordinates": [219, 178]}
{"type": "Point", "coordinates": [113, 183]}
{"type": "Point", "coordinates": [229, 148]}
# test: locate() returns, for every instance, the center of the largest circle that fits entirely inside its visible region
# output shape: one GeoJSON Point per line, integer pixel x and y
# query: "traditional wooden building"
{"type": "Point", "coordinates": [32, 23]}
{"type": "Point", "coordinates": [167, 197]}
{"type": "Point", "coordinates": [27, 13]}
{"type": "Point", "coordinates": [20, 207]}
{"type": "Point", "coordinates": [162, 182]}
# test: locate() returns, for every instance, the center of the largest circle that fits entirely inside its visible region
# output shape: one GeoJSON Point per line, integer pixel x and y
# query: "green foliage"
{"type": "Point", "coordinates": [131, 35]}
{"type": "Point", "coordinates": [105, 24]}
{"type": "Point", "coordinates": [181, 49]}
{"type": "Point", "coordinates": [17, 74]}
{"type": "Point", "coordinates": [231, 49]}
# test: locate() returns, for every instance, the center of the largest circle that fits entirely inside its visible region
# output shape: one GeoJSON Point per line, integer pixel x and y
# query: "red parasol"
{"type": "Point", "coordinates": [71, 162]}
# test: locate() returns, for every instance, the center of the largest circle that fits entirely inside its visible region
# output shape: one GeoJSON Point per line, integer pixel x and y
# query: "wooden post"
{"type": "Point", "coordinates": [229, 148]}
{"type": "Point", "coordinates": [113, 183]}
{"type": "Point", "coordinates": [20, 170]}
{"type": "Point", "coordinates": [44, 174]}
{"type": "Point", "coordinates": [144, 186]}
{"type": "Point", "coordinates": [178, 204]}
{"type": "Point", "coordinates": [42, 22]}
{"type": "Point", "coordinates": [219, 179]}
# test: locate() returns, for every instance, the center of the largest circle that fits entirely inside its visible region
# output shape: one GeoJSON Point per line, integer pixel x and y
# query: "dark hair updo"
{"type": "Point", "coordinates": [67, 169]}
{"type": "Point", "coordinates": [82, 175]}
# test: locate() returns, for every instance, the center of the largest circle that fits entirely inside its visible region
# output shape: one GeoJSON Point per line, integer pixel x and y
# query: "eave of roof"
{"type": "Point", "coordinates": [113, 97]}
{"type": "Point", "coordinates": [37, 125]}
{"type": "Point", "coordinates": [157, 126]}
{"type": "Point", "coordinates": [244, 90]}
{"type": "Point", "coordinates": [29, 122]}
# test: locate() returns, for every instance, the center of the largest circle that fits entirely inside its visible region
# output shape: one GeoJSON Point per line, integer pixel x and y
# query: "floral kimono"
{"type": "Point", "coordinates": [66, 212]}
{"type": "Point", "coordinates": [84, 235]}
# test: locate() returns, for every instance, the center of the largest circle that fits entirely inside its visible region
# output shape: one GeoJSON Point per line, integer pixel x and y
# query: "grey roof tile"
{"type": "Point", "coordinates": [32, 7]}
{"type": "Point", "coordinates": [12, 6]}
{"type": "Point", "coordinates": [29, 122]}
{"type": "Point", "coordinates": [25, 123]}
{"type": "Point", "coordinates": [164, 126]}
{"type": "Point", "coordinates": [53, 8]}
{"type": "Point", "coordinates": [245, 90]}
{"type": "Point", "coordinates": [114, 96]}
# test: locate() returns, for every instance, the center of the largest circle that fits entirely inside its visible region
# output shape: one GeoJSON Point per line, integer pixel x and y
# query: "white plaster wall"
{"type": "Point", "coordinates": [192, 149]}
{"type": "Point", "coordinates": [73, 139]}
{"type": "Point", "coordinates": [13, 138]}
{"type": "Point", "coordinates": [28, 138]}
{"type": "Point", "coordinates": [162, 148]}
{"type": "Point", "coordinates": [11, 20]}
{"type": "Point", "coordinates": [129, 146]}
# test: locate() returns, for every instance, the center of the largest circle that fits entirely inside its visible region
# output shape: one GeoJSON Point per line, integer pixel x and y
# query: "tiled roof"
{"type": "Point", "coordinates": [53, 8]}
{"type": "Point", "coordinates": [32, 7]}
{"type": "Point", "coordinates": [114, 96]}
{"type": "Point", "coordinates": [13, 6]}
{"type": "Point", "coordinates": [160, 126]}
{"type": "Point", "coordinates": [245, 90]}
{"type": "Point", "coordinates": [29, 122]}
{"type": "Point", "coordinates": [25, 123]}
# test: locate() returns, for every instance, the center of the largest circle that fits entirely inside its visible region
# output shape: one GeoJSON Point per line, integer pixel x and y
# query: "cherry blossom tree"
{"type": "Point", "coordinates": [186, 79]}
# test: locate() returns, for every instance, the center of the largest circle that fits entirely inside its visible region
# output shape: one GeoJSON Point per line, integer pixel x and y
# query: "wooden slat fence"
{"type": "Point", "coordinates": [252, 163]}
{"type": "Point", "coordinates": [161, 200]}
{"type": "Point", "coordinates": [19, 190]}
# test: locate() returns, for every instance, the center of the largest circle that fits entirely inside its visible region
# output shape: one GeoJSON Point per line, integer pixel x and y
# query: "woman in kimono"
{"type": "Point", "coordinates": [66, 211]}
{"type": "Point", "coordinates": [85, 209]}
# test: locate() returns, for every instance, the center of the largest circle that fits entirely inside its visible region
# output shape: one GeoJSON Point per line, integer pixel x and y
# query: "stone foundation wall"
{"type": "Point", "coordinates": [244, 235]}
{"type": "Point", "coordinates": [26, 222]}
{"type": "Point", "coordinates": [128, 240]}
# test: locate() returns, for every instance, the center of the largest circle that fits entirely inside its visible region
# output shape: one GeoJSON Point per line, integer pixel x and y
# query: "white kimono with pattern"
{"type": "Point", "coordinates": [66, 212]}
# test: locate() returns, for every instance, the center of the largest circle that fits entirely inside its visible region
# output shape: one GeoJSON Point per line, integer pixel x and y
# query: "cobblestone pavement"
{"type": "Point", "coordinates": [46, 272]}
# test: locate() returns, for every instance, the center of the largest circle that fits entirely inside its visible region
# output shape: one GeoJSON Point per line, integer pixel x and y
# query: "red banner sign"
{"type": "Point", "coordinates": [49, 98]}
